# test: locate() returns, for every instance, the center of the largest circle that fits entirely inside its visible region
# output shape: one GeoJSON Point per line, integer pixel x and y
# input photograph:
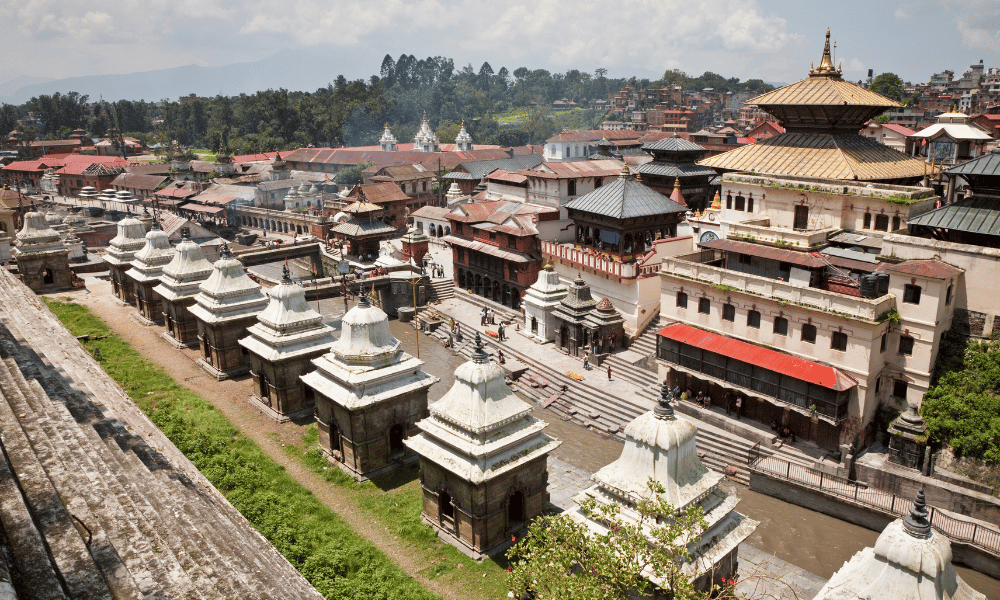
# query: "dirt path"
{"type": "Point", "coordinates": [230, 397]}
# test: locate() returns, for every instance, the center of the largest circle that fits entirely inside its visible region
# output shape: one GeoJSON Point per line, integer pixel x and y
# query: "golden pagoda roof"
{"type": "Point", "coordinates": [820, 155]}
{"type": "Point", "coordinates": [823, 91]}
{"type": "Point", "coordinates": [362, 207]}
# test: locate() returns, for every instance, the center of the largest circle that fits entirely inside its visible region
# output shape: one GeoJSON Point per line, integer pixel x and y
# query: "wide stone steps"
{"type": "Point", "coordinates": [156, 530]}
{"type": "Point", "coordinates": [638, 375]}
{"type": "Point", "coordinates": [443, 289]}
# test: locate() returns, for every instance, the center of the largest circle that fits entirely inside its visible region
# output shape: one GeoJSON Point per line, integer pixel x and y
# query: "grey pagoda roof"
{"type": "Point", "coordinates": [625, 198]}
{"type": "Point", "coordinates": [673, 144]}
{"type": "Point", "coordinates": [976, 214]}
{"type": "Point", "coordinates": [669, 169]}
{"type": "Point", "coordinates": [577, 304]}
{"type": "Point", "coordinates": [988, 164]}
{"type": "Point", "coordinates": [362, 227]}
{"type": "Point", "coordinates": [511, 164]}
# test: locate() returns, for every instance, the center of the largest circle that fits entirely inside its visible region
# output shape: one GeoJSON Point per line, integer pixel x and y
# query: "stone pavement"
{"type": "Point", "coordinates": [762, 575]}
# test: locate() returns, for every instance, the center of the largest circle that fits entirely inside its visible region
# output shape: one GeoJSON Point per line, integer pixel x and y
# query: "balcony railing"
{"type": "Point", "coordinates": [868, 309]}
{"type": "Point", "coordinates": [629, 270]}
{"type": "Point", "coordinates": [760, 230]}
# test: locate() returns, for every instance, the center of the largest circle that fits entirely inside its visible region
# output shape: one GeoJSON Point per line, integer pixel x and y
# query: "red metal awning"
{"type": "Point", "coordinates": [772, 360]}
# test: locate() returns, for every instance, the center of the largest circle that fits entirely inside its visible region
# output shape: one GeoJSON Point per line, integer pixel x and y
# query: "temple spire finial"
{"type": "Point", "coordinates": [286, 276]}
{"type": "Point", "coordinates": [916, 524]}
{"type": "Point", "coordinates": [826, 66]}
{"type": "Point", "coordinates": [663, 409]}
{"type": "Point", "coordinates": [479, 356]}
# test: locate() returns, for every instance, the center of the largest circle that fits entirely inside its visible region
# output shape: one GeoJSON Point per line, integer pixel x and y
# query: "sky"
{"type": "Point", "coordinates": [773, 40]}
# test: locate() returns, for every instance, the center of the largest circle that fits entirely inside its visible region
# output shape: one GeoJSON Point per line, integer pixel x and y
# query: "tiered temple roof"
{"type": "Point", "coordinates": [228, 294]}
{"type": "Point", "coordinates": [185, 272]}
{"type": "Point", "coordinates": [150, 260]}
{"type": "Point", "coordinates": [37, 235]}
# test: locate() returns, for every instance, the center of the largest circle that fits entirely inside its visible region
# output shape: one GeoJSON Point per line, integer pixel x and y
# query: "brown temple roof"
{"type": "Point", "coordinates": [932, 269]}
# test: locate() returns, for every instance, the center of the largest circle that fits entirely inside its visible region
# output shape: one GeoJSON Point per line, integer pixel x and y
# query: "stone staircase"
{"type": "Point", "coordinates": [590, 406]}
{"type": "Point", "coordinates": [95, 502]}
{"type": "Point", "coordinates": [442, 289]}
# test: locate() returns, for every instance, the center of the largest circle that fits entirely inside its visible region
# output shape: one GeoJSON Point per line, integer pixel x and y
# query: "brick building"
{"type": "Point", "coordinates": [495, 248]}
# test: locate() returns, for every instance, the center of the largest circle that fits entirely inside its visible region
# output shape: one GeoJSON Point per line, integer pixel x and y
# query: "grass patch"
{"type": "Point", "coordinates": [332, 556]}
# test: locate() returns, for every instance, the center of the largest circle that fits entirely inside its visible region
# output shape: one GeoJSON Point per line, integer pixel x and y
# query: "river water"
{"type": "Point", "coordinates": [809, 540]}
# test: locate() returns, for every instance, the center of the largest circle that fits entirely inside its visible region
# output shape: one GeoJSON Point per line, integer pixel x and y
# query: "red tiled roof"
{"type": "Point", "coordinates": [27, 165]}
{"type": "Point", "coordinates": [594, 135]}
{"type": "Point", "coordinates": [378, 193]}
{"type": "Point", "coordinates": [932, 269]}
{"type": "Point", "coordinates": [175, 193]}
{"type": "Point", "coordinates": [803, 259]}
{"type": "Point", "coordinates": [506, 176]}
{"type": "Point", "coordinates": [574, 169]}
{"type": "Point", "coordinates": [261, 157]}
{"type": "Point", "coordinates": [898, 129]}
{"type": "Point", "coordinates": [772, 360]}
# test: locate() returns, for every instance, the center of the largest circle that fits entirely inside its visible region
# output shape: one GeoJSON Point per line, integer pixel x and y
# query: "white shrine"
{"type": "Point", "coordinates": [178, 288]}
{"type": "Point", "coordinates": [539, 301]}
{"type": "Point", "coordinates": [482, 460]}
{"type": "Point", "coordinates": [369, 395]}
{"type": "Point", "coordinates": [121, 252]}
{"type": "Point", "coordinates": [909, 560]}
{"type": "Point", "coordinates": [147, 268]}
{"type": "Point", "coordinates": [660, 446]}
{"type": "Point", "coordinates": [425, 140]}
{"type": "Point", "coordinates": [387, 143]}
{"type": "Point", "coordinates": [463, 141]}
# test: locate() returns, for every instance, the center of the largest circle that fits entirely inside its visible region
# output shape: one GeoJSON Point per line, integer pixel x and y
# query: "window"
{"type": "Point", "coordinates": [750, 204]}
{"type": "Point", "coordinates": [753, 319]}
{"type": "Point", "coordinates": [899, 388]}
{"type": "Point", "coordinates": [729, 201]}
{"type": "Point", "coordinates": [878, 384]}
{"type": "Point", "coordinates": [839, 341]}
{"type": "Point", "coordinates": [461, 255]}
{"type": "Point", "coordinates": [947, 295]}
{"type": "Point", "coordinates": [906, 345]}
{"type": "Point", "coordinates": [809, 333]}
{"type": "Point", "coordinates": [745, 259]}
{"type": "Point", "coordinates": [728, 312]}
{"type": "Point", "coordinates": [881, 222]}
{"type": "Point", "coordinates": [458, 228]}
{"type": "Point", "coordinates": [740, 203]}
{"type": "Point", "coordinates": [704, 306]}
{"type": "Point", "coordinates": [781, 326]}
{"type": "Point", "coordinates": [895, 223]}
{"type": "Point", "coordinates": [884, 339]}
{"type": "Point", "coordinates": [598, 182]}
{"type": "Point", "coordinates": [571, 188]}
{"type": "Point", "coordinates": [868, 221]}
{"type": "Point", "coordinates": [513, 271]}
{"type": "Point", "coordinates": [682, 300]}
{"type": "Point", "coordinates": [911, 294]}
{"type": "Point", "coordinates": [493, 236]}
{"type": "Point", "coordinates": [511, 241]}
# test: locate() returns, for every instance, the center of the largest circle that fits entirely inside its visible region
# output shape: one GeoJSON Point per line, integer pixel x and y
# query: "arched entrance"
{"type": "Point", "coordinates": [515, 510]}
{"type": "Point", "coordinates": [264, 389]}
{"type": "Point", "coordinates": [48, 278]}
{"type": "Point", "coordinates": [534, 325]}
{"type": "Point", "coordinates": [447, 508]}
{"type": "Point", "coordinates": [564, 337]}
{"type": "Point", "coordinates": [396, 433]}
{"type": "Point", "coordinates": [440, 231]}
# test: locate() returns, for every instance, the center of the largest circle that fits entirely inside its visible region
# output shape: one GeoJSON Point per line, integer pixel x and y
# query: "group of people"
{"type": "Point", "coordinates": [783, 431]}
{"type": "Point", "coordinates": [486, 317]}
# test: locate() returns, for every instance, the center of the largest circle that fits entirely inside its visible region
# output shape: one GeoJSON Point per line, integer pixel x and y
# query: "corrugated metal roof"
{"type": "Point", "coordinates": [363, 227]}
{"type": "Point", "coordinates": [625, 198]}
{"type": "Point", "coordinates": [673, 144]}
{"type": "Point", "coordinates": [822, 91]}
{"type": "Point", "coordinates": [976, 214]}
{"type": "Point", "coordinates": [665, 169]}
{"type": "Point", "coordinates": [934, 269]}
{"type": "Point", "coordinates": [803, 259]}
{"type": "Point", "coordinates": [820, 156]}
{"type": "Point", "coordinates": [956, 131]}
{"type": "Point", "coordinates": [772, 360]}
{"type": "Point", "coordinates": [511, 164]}
{"type": "Point", "coordinates": [988, 164]}
{"type": "Point", "coordinates": [491, 250]}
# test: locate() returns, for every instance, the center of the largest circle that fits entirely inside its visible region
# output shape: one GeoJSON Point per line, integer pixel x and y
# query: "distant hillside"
{"type": "Point", "coordinates": [292, 70]}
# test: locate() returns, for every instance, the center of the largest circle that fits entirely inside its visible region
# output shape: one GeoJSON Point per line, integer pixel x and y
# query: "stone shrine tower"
{"type": "Point", "coordinates": [539, 301]}
{"type": "Point", "coordinates": [121, 252]}
{"type": "Point", "coordinates": [387, 143]}
{"type": "Point", "coordinates": [660, 446]}
{"type": "Point", "coordinates": [178, 288]}
{"type": "Point", "coordinates": [42, 258]}
{"type": "Point", "coordinates": [463, 141]}
{"type": "Point", "coordinates": [910, 560]}
{"type": "Point", "coordinates": [147, 268]}
{"type": "Point", "coordinates": [571, 335]}
{"type": "Point", "coordinates": [414, 245]}
{"type": "Point", "coordinates": [226, 305]}
{"type": "Point", "coordinates": [482, 460]}
{"type": "Point", "coordinates": [369, 395]}
{"type": "Point", "coordinates": [287, 336]}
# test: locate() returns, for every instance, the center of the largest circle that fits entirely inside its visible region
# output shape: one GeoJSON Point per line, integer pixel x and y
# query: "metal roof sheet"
{"type": "Point", "coordinates": [673, 144]}
{"type": "Point", "coordinates": [765, 358]}
{"type": "Point", "coordinates": [665, 169]}
{"type": "Point", "coordinates": [491, 250]}
{"type": "Point", "coordinates": [803, 259]}
{"type": "Point", "coordinates": [820, 156]}
{"type": "Point", "coordinates": [988, 164]}
{"type": "Point", "coordinates": [822, 91]}
{"type": "Point", "coordinates": [933, 269]}
{"type": "Point", "coordinates": [511, 164]}
{"type": "Point", "coordinates": [976, 214]}
{"type": "Point", "coordinates": [625, 198]}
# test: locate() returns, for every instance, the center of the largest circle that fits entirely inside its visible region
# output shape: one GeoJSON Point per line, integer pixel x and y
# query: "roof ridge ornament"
{"type": "Point", "coordinates": [916, 524]}
{"type": "Point", "coordinates": [825, 68]}
{"type": "Point", "coordinates": [286, 276]}
{"type": "Point", "coordinates": [664, 410]}
{"type": "Point", "coordinates": [625, 172]}
{"type": "Point", "coordinates": [363, 301]}
{"type": "Point", "coordinates": [479, 356]}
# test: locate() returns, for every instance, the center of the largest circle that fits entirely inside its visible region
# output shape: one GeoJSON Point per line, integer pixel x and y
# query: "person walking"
{"type": "Point", "coordinates": [500, 332]}
{"type": "Point", "coordinates": [586, 360]}
{"type": "Point", "coordinates": [609, 371]}
{"type": "Point", "coordinates": [739, 406]}
{"type": "Point", "coordinates": [482, 318]}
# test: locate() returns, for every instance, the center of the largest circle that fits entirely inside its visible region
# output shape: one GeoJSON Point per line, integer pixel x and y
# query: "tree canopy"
{"type": "Point", "coordinates": [889, 85]}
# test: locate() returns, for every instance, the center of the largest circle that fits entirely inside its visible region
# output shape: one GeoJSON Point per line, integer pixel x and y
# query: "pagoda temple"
{"type": "Point", "coordinates": [673, 165]}
{"type": "Point", "coordinates": [661, 447]}
{"type": "Point", "coordinates": [178, 288]}
{"type": "Point", "coordinates": [364, 230]}
{"type": "Point", "coordinates": [147, 268]}
{"type": "Point", "coordinates": [226, 306]}
{"type": "Point", "coordinates": [482, 460]}
{"type": "Point", "coordinates": [822, 116]}
{"type": "Point", "coordinates": [121, 252]}
{"type": "Point", "coordinates": [369, 395]}
{"type": "Point", "coordinates": [287, 336]}
{"type": "Point", "coordinates": [42, 258]}
{"type": "Point", "coordinates": [909, 560]}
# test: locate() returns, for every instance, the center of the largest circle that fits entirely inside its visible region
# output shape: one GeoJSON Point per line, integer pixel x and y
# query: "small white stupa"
{"type": "Point", "coordinates": [42, 257]}
{"type": "Point", "coordinates": [910, 560]}
{"type": "Point", "coordinates": [178, 288]}
{"type": "Point", "coordinates": [425, 140]}
{"type": "Point", "coordinates": [147, 268]}
{"type": "Point", "coordinates": [287, 336]}
{"type": "Point", "coordinates": [227, 304]}
{"type": "Point", "coordinates": [539, 301]}
{"type": "Point", "coordinates": [121, 252]}
{"type": "Point", "coordinates": [482, 459]}
{"type": "Point", "coordinates": [660, 446]}
{"type": "Point", "coordinates": [369, 395]}
{"type": "Point", "coordinates": [463, 141]}
{"type": "Point", "coordinates": [387, 143]}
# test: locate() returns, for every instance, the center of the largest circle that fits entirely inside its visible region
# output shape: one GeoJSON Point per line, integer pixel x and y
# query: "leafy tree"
{"type": "Point", "coordinates": [561, 558]}
{"type": "Point", "coordinates": [889, 85]}
{"type": "Point", "coordinates": [352, 175]}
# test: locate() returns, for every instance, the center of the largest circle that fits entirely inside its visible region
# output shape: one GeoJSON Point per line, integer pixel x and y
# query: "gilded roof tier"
{"type": "Point", "coordinates": [821, 156]}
